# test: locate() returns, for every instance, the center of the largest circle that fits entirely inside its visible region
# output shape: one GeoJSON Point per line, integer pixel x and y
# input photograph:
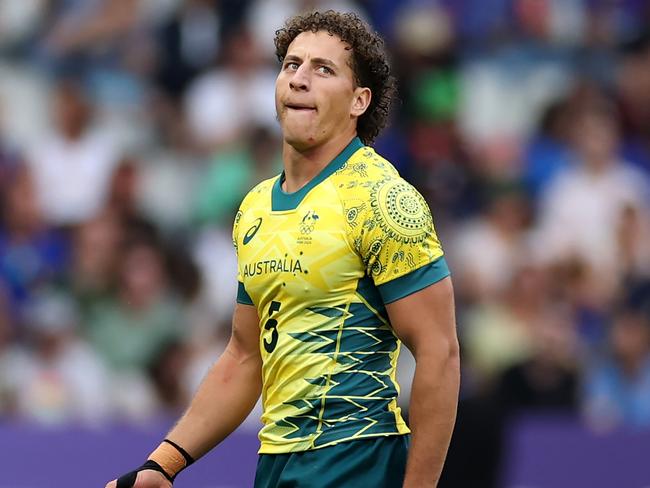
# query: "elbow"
{"type": "Point", "coordinates": [453, 349]}
{"type": "Point", "coordinates": [452, 355]}
{"type": "Point", "coordinates": [443, 351]}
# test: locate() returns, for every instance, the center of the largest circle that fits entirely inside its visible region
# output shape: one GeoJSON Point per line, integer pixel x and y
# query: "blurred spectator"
{"type": "Point", "coordinates": [19, 21]}
{"type": "Point", "coordinates": [95, 263]}
{"type": "Point", "coordinates": [188, 44]}
{"type": "Point", "coordinates": [212, 252]}
{"type": "Point", "coordinates": [57, 377]}
{"type": "Point", "coordinates": [547, 153]}
{"type": "Point", "coordinates": [610, 22]}
{"type": "Point", "coordinates": [123, 189]}
{"type": "Point", "coordinates": [9, 157]}
{"type": "Point", "coordinates": [617, 387]}
{"type": "Point", "coordinates": [173, 170]}
{"type": "Point", "coordinates": [81, 30]}
{"type": "Point", "coordinates": [424, 31]}
{"type": "Point", "coordinates": [582, 208]}
{"type": "Point", "coordinates": [166, 373]}
{"type": "Point", "coordinates": [633, 90]}
{"type": "Point", "coordinates": [633, 236]}
{"type": "Point", "coordinates": [143, 316]}
{"type": "Point", "coordinates": [8, 351]}
{"type": "Point", "coordinates": [500, 333]}
{"type": "Point", "coordinates": [31, 254]}
{"type": "Point", "coordinates": [265, 17]}
{"type": "Point", "coordinates": [74, 164]}
{"type": "Point", "coordinates": [221, 103]}
{"type": "Point", "coordinates": [548, 380]}
{"type": "Point", "coordinates": [503, 96]}
{"type": "Point", "coordinates": [100, 20]}
{"type": "Point", "coordinates": [234, 172]}
{"type": "Point", "coordinates": [502, 231]}
{"type": "Point", "coordinates": [133, 327]}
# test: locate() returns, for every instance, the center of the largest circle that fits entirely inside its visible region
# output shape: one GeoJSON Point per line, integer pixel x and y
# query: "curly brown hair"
{"type": "Point", "coordinates": [368, 60]}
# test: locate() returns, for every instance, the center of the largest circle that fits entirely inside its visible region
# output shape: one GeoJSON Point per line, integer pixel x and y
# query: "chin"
{"type": "Point", "coordinates": [300, 140]}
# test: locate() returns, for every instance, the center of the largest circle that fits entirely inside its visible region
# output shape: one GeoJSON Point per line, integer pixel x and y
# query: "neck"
{"type": "Point", "coordinates": [301, 166]}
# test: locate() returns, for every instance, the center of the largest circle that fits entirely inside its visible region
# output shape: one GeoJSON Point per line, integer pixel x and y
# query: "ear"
{"type": "Point", "coordinates": [360, 101]}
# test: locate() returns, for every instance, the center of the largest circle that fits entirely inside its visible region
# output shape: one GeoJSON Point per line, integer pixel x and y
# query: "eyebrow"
{"type": "Point", "coordinates": [319, 61]}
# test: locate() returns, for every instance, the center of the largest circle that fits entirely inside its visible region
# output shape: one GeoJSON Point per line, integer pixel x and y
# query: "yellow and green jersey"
{"type": "Point", "coordinates": [320, 265]}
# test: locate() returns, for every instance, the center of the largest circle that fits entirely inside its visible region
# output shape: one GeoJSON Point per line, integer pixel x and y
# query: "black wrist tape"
{"type": "Point", "coordinates": [127, 480]}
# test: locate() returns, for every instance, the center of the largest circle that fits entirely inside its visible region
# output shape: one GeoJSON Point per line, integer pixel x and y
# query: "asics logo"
{"type": "Point", "coordinates": [250, 233]}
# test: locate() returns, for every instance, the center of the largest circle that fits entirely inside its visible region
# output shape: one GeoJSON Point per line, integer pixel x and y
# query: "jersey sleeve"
{"type": "Point", "coordinates": [242, 295]}
{"type": "Point", "coordinates": [392, 231]}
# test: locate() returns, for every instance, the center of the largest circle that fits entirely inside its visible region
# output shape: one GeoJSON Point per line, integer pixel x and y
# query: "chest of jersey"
{"type": "Point", "coordinates": [299, 256]}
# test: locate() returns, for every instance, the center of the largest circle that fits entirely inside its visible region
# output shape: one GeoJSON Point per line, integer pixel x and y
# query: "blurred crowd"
{"type": "Point", "coordinates": [131, 129]}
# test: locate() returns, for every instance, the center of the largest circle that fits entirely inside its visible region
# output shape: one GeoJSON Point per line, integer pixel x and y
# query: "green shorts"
{"type": "Point", "coordinates": [376, 462]}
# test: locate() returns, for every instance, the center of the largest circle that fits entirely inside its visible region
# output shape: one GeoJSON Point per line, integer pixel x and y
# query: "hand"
{"type": "Point", "coordinates": [147, 478]}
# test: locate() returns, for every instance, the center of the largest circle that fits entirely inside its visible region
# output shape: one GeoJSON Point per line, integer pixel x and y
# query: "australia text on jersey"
{"type": "Point", "coordinates": [284, 265]}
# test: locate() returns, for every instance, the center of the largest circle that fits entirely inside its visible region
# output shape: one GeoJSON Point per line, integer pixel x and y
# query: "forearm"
{"type": "Point", "coordinates": [225, 398]}
{"type": "Point", "coordinates": [432, 413]}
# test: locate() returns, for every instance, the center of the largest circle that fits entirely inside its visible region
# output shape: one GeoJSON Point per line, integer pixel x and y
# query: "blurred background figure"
{"type": "Point", "coordinates": [221, 103]}
{"type": "Point", "coordinates": [547, 380]}
{"type": "Point", "coordinates": [617, 388]}
{"type": "Point", "coordinates": [97, 246]}
{"type": "Point", "coordinates": [32, 255]}
{"type": "Point", "coordinates": [131, 129]}
{"type": "Point", "coordinates": [591, 197]}
{"type": "Point", "coordinates": [254, 158]}
{"type": "Point", "coordinates": [136, 329]}
{"type": "Point", "coordinates": [503, 231]}
{"type": "Point", "coordinates": [56, 377]}
{"type": "Point", "coordinates": [73, 165]}
{"type": "Point", "coordinates": [188, 43]}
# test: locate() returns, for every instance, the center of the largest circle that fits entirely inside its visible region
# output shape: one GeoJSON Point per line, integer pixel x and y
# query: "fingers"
{"type": "Point", "coordinates": [112, 484]}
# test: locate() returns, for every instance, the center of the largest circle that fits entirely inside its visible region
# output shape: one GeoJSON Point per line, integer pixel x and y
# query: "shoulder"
{"type": "Point", "coordinates": [370, 185]}
{"type": "Point", "coordinates": [258, 193]}
{"type": "Point", "coordinates": [258, 196]}
{"type": "Point", "coordinates": [401, 210]}
{"type": "Point", "coordinates": [365, 166]}
{"type": "Point", "coordinates": [360, 178]}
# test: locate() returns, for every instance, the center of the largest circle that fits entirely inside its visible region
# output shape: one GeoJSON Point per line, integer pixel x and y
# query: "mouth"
{"type": "Point", "coordinates": [300, 107]}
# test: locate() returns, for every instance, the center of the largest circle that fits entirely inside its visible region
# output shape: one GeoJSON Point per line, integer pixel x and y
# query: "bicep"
{"type": "Point", "coordinates": [426, 318]}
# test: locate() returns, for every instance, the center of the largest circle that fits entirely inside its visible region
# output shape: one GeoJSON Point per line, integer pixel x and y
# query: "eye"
{"type": "Point", "coordinates": [291, 65]}
{"type": "Point", "coordinates": [325, 70]}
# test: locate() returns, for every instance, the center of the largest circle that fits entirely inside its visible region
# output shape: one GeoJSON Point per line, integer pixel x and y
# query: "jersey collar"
{"type": "Point", "coordinates": [280, 200]}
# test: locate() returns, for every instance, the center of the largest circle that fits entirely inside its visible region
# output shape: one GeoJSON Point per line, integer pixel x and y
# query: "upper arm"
{"type": "Point", "coordinates": [426, 319]}
{"type": "Point", "coordinates": [397, 242]}
{"type": "Point", "coordinates": [244, 342]}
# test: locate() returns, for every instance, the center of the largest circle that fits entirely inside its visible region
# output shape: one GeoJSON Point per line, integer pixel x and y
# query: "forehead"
{"type": "Point", "coordinates": [320, 44]}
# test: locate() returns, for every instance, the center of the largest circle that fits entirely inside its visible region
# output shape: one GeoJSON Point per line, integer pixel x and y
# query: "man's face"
{"type": "Point", "coordinates": [316, 97]}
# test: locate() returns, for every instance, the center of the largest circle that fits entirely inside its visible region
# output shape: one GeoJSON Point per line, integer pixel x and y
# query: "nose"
{"type": "Point", "coordinates": [300, 79]}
